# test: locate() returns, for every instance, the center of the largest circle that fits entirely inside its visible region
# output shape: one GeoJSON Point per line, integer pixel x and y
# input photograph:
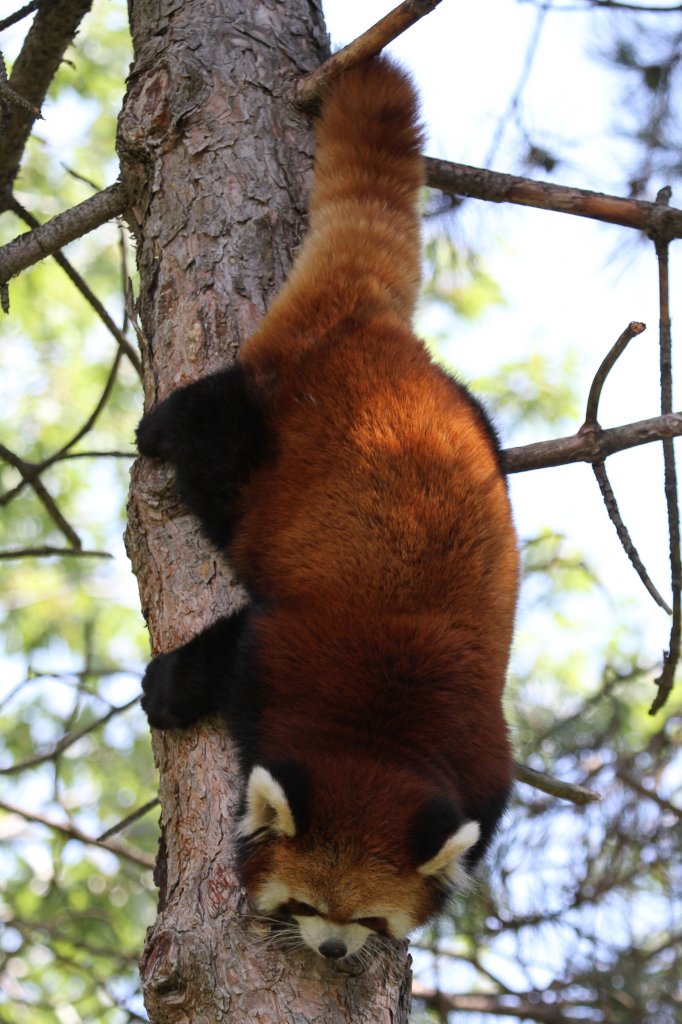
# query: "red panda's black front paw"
{"type": "Point", "coordinates": [165, 701]}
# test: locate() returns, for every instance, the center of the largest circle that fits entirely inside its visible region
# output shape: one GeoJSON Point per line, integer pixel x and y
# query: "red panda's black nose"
{"type": "Point", "coordinates": [333, 949]}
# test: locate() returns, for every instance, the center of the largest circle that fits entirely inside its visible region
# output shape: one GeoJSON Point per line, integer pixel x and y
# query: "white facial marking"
{"type": "Point", "coordinates": [316, 930]}
{"type": "Point", "coordinates": [399, 925]}
{"type": "Point", "coordinates": [447, 860]}
{"type": "Point", "coordinates": [266, 806]}
{"type": "Point", "coordinates": [273, 894]}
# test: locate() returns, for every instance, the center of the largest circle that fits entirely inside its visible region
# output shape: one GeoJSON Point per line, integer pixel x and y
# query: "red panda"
{"type": "Point", "coordinates": [358, 493]}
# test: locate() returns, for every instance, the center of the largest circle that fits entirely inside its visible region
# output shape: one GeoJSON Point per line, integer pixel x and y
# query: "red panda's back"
{"type": "Point", "coordinates": [385, 491]}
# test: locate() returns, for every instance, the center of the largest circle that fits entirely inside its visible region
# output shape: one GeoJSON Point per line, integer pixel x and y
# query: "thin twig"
{"type": "Point", "coordinates": [650, 794]}
{"type": "Point", "coordinates": [631, 331]}
{"type": "Point", "coordinates": [73, 832]}
{"type": "Point", "coordinates": [28, 473]}
{"type": "Point", "coordinates": [38, 467]}
{"type": "Point", "coordinates": [590, 446]}
{"type": "Point", "coordinates": [310, 89]}
{"type": "Point", "coordinates": [46, 239]}
{"type": "Point", "coordinates": [619, 5]}
{"type": "Point", "coordinates": [132, 316]}
{"type": "Point", "coordinates": [85, 290]}
{"type": "Point", "coordinates": [19, 15]}
{"type": "Point", "coordinates": [513, 104]}
{"type": "Point", "coordinates": [73, 173]}
{"type": "Point", "coordinates": [45, 928]}
{"type": "Point", "coordinates": [518, 1005]}
{"type": "Point", "coordinates": [554, 787]}
{"type": "Point", "coordinates": [614, 5]}
{"type": "Point", "coordinates": [67, 741]}
{"type": "Point", "coordinates": [104, 454]}
{"type": "Point", "coordinates": [33, 71]}
{"type": "Point", "coordinates": [462, 180]}
{"type": "Point", "coordinates": [48, 551]}
{"type": "Point", "coordinates": [131, 818]}
{"type": "Point", "coordinates": [10, 98]}
{"type": "Point", "coordinates": [591, 426]}
{"type": "Point", "coordinates": [94, 415]}
{"type": "Point", "coordinates": [671, 657]}
{"type": "Point", "coordinates": [624, 534]}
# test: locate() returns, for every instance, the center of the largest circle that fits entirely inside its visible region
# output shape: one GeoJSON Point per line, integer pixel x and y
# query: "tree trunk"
{"type": "Point", "coordinates": [218, 161]}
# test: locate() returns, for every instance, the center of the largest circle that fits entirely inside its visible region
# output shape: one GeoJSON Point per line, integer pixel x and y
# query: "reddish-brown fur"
{"type": "Point", "coordinates": [384, 527]}
{"type": "Point", "coordinates": [376, 537]}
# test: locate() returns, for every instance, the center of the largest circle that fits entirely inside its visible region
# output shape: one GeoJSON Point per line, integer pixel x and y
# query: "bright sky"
{"type": "Point", "coordinates": [568, 282]}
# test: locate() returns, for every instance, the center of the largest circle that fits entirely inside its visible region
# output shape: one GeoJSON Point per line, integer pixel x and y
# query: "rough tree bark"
{"type": "Point", "coordinates": [217, 160]}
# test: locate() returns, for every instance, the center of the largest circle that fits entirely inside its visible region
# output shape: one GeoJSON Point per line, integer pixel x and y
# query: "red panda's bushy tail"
{"type": "Point", "coordinates": [361, 256]}
{"type": "Point", "coordinates": [368, 175]}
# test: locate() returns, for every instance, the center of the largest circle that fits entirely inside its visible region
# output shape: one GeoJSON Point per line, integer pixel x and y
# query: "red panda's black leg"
{"type": "Point", "coordinates": [201, 677]}
{"type": "Point", "coordinates": [213, 432]}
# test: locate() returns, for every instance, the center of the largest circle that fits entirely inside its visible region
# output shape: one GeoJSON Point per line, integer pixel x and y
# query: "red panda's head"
{"type": "Point", "coordinates": [338, 880]}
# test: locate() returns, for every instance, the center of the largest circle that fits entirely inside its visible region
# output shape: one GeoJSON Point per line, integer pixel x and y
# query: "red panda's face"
{"type": "Point", "coordinates": [337, 894]}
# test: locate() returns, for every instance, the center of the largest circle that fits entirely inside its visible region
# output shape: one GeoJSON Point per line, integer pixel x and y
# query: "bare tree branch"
{"type": "Point", "coordinates": [614, 5]}
{"type": "Point", "coordinates": [31, 477]}
{"type": "Point", "coordinates": [624, 534]}
{"type": "Point", "coordinates": [631, 331]}
{"type": "Point", "coordinates": [67, 741]}
{"type": "Point", "coordinates": [131, 818]}
{"type": "Point", "coordinates": [591, 426]}
{"type": "Point", "coordinates": [49, 929]}
{"type": "Point", "coordinates": [85, 290]}
{"type": "Point", "coordinates": [47, 238]}
{"type": "Point", "coordinates": [53, 28]}
{"type": "Point", "coordinates": [554, 787]}
{"type": "Point", "coordinates": [9, 99]}
{"type": "Point", "coordinates": [590, 447]}
{"type": "Point", "coordinates": [30, 471]}
{"type": "Point", "coordinates": [112, 453]}
{"type": "Point", "coordinates": [310, 90]}
{"type": "Point", "coordinates": [462, 180]}
{"type": "Point", "coordinates": [30, 474]}
{"type": "Point", "coordinates": [513, 105]}
{"type": "Point", "coordinates": [19, 15]}
{"type": "Point", "coordinates": [452, 178]}
{"type": "Point", "coordinates": [47, 551]}
{"type": "Point", "coordinates": [650, 794]}
{"type": "Point", "coordinates": [524, 1006]}
{"type": "Point", "coordinates": [72, 832]}
{"type": "Point", "coordinates": [671, 657]}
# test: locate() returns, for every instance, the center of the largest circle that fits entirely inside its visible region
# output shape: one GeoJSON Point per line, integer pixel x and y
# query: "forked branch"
{"type": "Point", "coordinates": [591, 426]}
{"type": "Point", "coordinates": [590, 447]}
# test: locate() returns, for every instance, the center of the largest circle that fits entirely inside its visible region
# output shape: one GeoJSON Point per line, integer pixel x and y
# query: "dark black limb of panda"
{"type": "Point", "coordinates": [209, 674]}
{"type": "Point", "coordinates": [213, 432]}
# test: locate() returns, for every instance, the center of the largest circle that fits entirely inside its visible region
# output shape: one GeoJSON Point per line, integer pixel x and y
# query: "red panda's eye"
{"type": "Point", "coordinates": [301, 909]}
{"type": "Point", "coordinates": [375, 924]}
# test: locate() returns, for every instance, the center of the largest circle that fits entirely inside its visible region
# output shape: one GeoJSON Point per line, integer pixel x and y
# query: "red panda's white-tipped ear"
{"type": "Point", "coordinates": [267, 806]}
{"type": "Point", "coordinates": [448, 859]}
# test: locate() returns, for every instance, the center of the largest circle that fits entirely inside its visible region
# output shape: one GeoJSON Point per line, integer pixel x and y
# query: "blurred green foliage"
{"type": "Point", "coordinates": [580, 910]}
{"type": "Point", "coordinates": [72, 639]}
